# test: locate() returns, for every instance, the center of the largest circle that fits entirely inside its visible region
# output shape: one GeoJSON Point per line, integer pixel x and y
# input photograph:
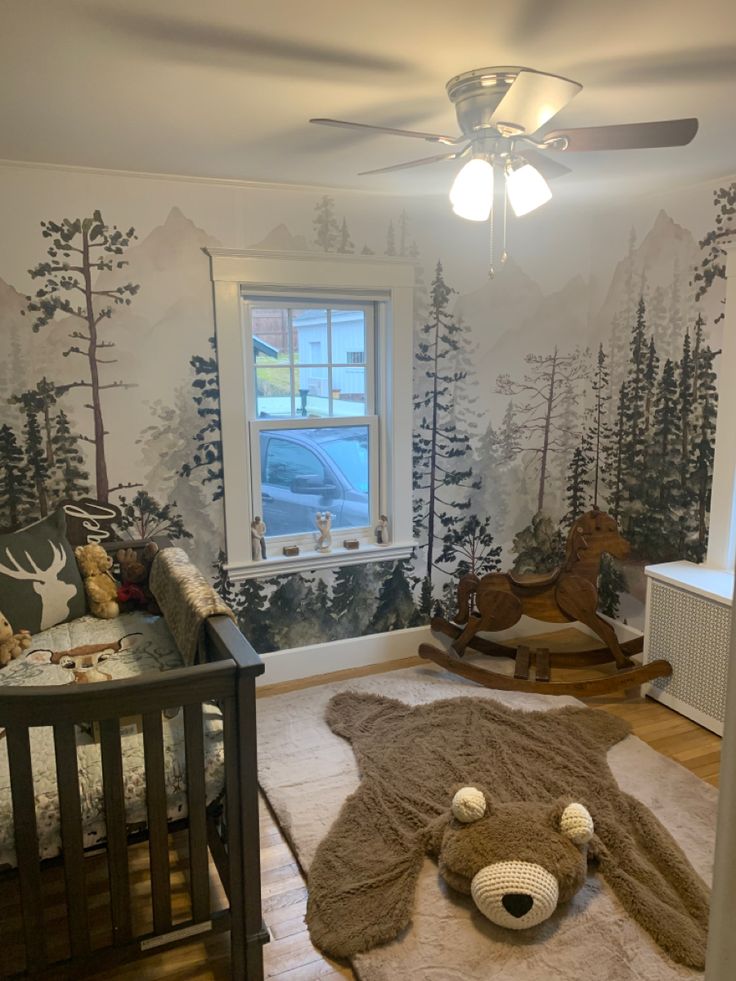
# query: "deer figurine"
{"type": "Point", "coordinates": [55, 594]}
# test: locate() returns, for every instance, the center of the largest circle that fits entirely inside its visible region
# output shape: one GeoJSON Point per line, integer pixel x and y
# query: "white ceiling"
{"type": "Point", "coordinates": [224, 88]}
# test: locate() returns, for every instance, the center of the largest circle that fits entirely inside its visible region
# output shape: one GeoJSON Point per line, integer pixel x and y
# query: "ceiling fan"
{"type": "Point", "coordinates": [501, 112]}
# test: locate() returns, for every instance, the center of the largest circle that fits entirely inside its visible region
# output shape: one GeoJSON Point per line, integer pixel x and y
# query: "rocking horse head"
{"type": "Point", "coordinates": [596, 532]}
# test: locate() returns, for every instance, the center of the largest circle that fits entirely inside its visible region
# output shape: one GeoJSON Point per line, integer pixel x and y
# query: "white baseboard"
{"type": "Point", "coordinates": [296, 663]}
{"type": "Point", "coordinates": [354, 652]}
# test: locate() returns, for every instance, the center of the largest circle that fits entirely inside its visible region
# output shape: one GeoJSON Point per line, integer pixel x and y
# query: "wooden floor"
{"type": "Point", "coordinates": [290, 956]}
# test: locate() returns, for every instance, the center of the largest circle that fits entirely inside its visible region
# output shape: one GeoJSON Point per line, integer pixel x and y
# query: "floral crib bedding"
{"type": "Point", "coordinates": [146, 645]}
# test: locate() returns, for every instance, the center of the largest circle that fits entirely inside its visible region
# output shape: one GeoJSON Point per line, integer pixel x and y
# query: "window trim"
{"type": "Point", "coordinates": [386, 281]}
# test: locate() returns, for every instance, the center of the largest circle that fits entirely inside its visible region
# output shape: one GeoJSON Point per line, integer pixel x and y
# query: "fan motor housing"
{"type": "Point", "coordinates": [477, 93]}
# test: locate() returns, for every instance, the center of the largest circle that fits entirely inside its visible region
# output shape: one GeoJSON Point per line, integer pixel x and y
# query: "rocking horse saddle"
{"type": "Point", "coordinates": [534, 579]}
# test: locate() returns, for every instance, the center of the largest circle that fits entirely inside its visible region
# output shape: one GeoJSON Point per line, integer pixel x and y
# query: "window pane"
{"type": "Point", "coordinates": [348, 337]}
{"type": "Point", "coordinates": [312, 385]}
{"type": "Point", "coordinates": [310, 336]}
{"type": "Point", "coordinates": [348, 391]}
{"type": "Point", "coordinates": [270, 335]}
{"type": "Point", "coordinates": [308, 470]}
{"type": "Point", "coordinates": [273, 392]}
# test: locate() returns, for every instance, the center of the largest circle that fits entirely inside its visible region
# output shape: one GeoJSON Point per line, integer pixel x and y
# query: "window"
{"type": "Point", "coordinates": [315, 405]}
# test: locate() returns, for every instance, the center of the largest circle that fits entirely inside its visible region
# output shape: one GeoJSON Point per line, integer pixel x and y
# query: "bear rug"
{"type": "Point", "coordinates": [307, 772]}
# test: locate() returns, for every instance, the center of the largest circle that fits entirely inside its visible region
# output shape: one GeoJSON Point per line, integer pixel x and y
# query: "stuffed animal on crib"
{"type": "Point", "coordinates": [135, 570]}
{"type": "Point", "coordinates": [12, 644]}
{"type": "Point", "coordinates": [101, 589]}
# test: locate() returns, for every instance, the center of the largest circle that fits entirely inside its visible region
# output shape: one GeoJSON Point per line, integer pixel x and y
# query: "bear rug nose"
{"type": "Point", "coordinates": [517, 903]}
{"type": "Point", "coordinates": [515, 895]}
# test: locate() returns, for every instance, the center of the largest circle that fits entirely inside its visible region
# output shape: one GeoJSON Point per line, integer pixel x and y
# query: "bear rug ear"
{"type": "Point", "coordinates": [577, 824]}
{"type": "Point", "coordinates": [468, 805]}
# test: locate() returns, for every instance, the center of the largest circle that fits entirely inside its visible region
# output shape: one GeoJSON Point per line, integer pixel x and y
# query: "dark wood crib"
{"type": "Point", "coordinates": [227, 828]}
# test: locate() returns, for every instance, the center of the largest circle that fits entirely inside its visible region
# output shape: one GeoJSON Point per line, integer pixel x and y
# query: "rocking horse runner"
{"type": "Point", "coordinates": [568, 594]}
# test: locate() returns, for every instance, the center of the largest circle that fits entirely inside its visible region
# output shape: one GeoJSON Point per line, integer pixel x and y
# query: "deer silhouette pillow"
{"type": "Point", "coordinates": [39, 579]}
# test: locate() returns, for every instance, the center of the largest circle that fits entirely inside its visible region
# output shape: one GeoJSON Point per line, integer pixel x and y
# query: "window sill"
{"type": "Point", "coordinates": [703, 580]}
{"type": "Point", "coordinates": [306, 561]}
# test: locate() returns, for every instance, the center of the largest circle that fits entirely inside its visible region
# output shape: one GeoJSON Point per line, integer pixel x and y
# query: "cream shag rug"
{"type": "Point", "coordinates": [307, 772]}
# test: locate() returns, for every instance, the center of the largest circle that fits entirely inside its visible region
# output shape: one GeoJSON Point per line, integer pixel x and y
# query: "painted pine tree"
{"type": "Point", "coordinates": [611, 584]}
{"type": "Point", "coordinates": [390, 239]}
{"type": "Point", "coordinates": [81, 248]}
{"type": "Point", "coordinates": [441, 453]}
{"type": "Point", "coordinates": [326, 227]}
{"type": "Point", "coordinates": [473, 545]}
{"type": "Point", "coordinates": [345, 244]}
{"type": "Point", "coordinates": [599, 428]}
{"type": "Point", "coordinates": [543, 399]}
{"type": "Point", "coordinates": [70, 476]}
{"type": "Point", "coordinates": [703, 439]}
{"type": "Point", "coordinates": [613, 455]}
{"type": "Point", "coordinates": [577, 491]}
{"type": "Point", "coordinates": [403, 240]}
{"type": "Point", "coordinates": [248, 601]}
{"type": "Point", "coordinates": [352, 600]}
{"type": "Point", "coordinates": [713, 264]}
{"type": "Point", "coordinates": [207, 456]}
{"type": "Point", "coordinates": [635, 409]}
{"type": "Point", "coordinates": [540, 547]}
{"type": "Point", "coordinates": [145, 517]}
{"type": "Point", "coordinates": [16, 490]}
{"type": "Point", "coordinates": [659, 522]}
{"type": "Point", "coordinates": [395, 609]}
{"type": "Point", "coordinates": [35, 453]}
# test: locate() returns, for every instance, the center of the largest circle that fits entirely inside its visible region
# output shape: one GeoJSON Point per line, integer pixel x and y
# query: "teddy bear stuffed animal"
{"type": "Point", "coordinates": [135, 569]}
{"type": "Point", "coordinates": [95, 564]}
{"type": "Point", "coordinates": [12, 644]}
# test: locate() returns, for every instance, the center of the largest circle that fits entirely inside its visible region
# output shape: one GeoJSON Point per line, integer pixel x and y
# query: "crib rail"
{"type": "Point", "coordinates": [231, 827]}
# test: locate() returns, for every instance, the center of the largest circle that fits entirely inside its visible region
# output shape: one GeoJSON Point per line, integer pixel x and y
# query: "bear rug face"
{"type": "Point", "coordinates": [513, 805]}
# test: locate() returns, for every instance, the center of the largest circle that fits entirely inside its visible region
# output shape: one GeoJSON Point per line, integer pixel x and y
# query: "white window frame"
{"type": "Point", "coordinates": [386, 282]}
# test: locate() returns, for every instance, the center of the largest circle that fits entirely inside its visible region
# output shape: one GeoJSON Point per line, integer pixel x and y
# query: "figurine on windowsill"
{"type": "Point", "coordinates": [383, 536]}
{"type": "Point", "coordinates": [323, 520]}
{"type": "Point", "coordinates": [258, 538]}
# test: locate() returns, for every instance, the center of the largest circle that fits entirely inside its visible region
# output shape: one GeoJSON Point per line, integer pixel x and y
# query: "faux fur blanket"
{"type": "Point", "coordinates": [362, 879]}
{"type": "Point", "coordinates": [186, 600]}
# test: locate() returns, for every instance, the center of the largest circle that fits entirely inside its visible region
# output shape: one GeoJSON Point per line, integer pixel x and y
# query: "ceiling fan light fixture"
{"type": "Point", "coordinates": [526, 189]}
{"type": "Point", "coordinates": [471, 194]}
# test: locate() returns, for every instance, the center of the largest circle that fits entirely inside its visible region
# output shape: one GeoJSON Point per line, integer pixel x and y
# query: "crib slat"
{"type": "Point", "coordinates": [117, 842]}
{"type": "Point", "coordinates": [26, 844]}
{"type": "Point", "coordinates": [197, 821]}
{"type": "Point", "coordinates": [234, 838]}
{"type": "Point", "coordinates": [67, 780]}
{"type": "Point", "coordinates": [158, 837]}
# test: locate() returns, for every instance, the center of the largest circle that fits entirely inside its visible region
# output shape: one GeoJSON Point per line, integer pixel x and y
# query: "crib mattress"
{"type": "Point", "coordinates": [149, 646]}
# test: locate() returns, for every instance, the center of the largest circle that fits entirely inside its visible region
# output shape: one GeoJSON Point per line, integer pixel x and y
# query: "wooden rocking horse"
{"type": "Point", "coordinates": [568, 594]}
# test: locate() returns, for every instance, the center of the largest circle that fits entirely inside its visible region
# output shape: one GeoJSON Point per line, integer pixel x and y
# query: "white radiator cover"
{"type": "Point", "coordinates": [689, 625]}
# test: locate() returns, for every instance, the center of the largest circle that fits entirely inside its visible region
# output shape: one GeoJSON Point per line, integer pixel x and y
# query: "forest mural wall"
{"type": "Point", "coordinates": [585, 375]}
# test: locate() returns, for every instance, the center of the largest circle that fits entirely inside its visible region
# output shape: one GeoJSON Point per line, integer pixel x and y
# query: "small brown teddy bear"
{"type": "Point", "coordinates": [95, 564]}
{"type": "Point", "coordinates": [12, 644]}
{"type": "Point", "coordinates": [135, 569]}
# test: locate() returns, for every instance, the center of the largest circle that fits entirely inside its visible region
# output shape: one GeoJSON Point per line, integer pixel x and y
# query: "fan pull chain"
{"type": "Point", "coordinates": [491, 223]}
{"type": "Point", "coordinates": [504, 252]}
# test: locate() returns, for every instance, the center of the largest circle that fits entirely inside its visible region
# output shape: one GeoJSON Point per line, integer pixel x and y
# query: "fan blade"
{"type": "Point", "coordinates": [430, 137]}
{"type": "Point", "coordinates": [628, 136]}
{"type": "Point", "coordinates": [414, 163]}
{"type": "Point", "coordinates": [549, 169]}
{"type": "Point", "coordinates": [533, 99]}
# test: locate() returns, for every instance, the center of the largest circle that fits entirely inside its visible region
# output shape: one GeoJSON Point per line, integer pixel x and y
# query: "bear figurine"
{"type": "Point", "coordinates": [95, 564]}
{"type": "Point", "coordinates": [12, 644]}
